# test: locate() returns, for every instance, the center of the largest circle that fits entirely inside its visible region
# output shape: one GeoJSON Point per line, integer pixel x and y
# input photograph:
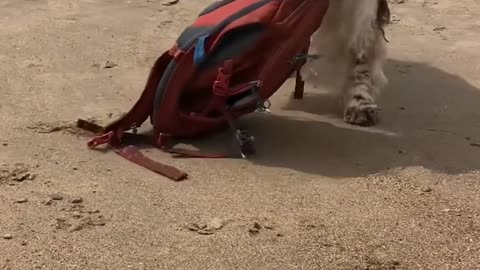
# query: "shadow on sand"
{"type": "Point", "coordinates": [429, 118]}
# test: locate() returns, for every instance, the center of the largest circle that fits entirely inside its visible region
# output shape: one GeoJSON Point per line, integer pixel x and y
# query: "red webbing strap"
{"type": "Point", "coordinates": [106, 138]}
{"type": "Point", "coordinates": [221, 86]}
{"type": "Point", "coordinates": [221, 89]}
{"type": "Point", "coordinates": [134, 155]}
{"type": "Point", "coordinates": [130, 152]}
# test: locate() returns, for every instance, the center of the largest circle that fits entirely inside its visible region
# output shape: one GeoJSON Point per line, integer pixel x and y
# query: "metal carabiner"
{"type": "Point", "coordinates": [264, 106]}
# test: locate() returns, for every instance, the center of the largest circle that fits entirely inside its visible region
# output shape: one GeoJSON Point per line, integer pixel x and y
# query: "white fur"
{"type": "Point", "coordinates": [348, 34]}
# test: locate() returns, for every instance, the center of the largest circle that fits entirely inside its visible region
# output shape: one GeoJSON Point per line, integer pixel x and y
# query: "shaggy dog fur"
{"type": "Point", "coordinates": [351, 46]}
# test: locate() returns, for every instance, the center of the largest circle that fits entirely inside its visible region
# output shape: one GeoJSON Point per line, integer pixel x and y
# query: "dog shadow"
{"type": "Point", "coordinates": [429, 118]}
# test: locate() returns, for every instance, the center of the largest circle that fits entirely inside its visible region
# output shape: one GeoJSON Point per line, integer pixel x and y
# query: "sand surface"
{"type": "Point", "coordinates": [320, 194]}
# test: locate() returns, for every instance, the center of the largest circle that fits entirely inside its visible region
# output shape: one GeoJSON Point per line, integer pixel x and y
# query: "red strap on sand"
{"type": "Point", "coordinates": [99, 140]}
{"type": "Point", "coordinates": [134, 155]}
{"type": "Point", "coordinates": [131, 152]}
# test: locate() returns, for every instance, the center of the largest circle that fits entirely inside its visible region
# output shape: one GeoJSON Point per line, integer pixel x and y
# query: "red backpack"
{"type": "Point", "coordinates": [228, 63]}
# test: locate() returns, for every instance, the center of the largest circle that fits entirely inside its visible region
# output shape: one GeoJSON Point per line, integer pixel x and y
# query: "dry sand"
{"type": "Point", "coordinates": [319, 195]}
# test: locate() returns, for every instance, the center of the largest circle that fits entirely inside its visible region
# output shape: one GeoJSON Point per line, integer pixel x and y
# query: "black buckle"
{"type": "Point", "coordinates": [264, 106]}
{"type": "Point", "coordinates": [302, 58]}
{"type": "Point", "coordinates": [244, 140]}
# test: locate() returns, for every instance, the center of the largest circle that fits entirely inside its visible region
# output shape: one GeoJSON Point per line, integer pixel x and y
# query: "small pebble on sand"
{"type": "Point", "coordinates": [21, 200]}
{"type": "Point", "coordinates": [7, 236]}
{"type": "Point", "coordinates": [427, 189]}
{"type": "Point", "coordinates": [56, 197]}
{"type": "Point", "coordinates": [48, 201]}
{"type": "Point", "coordinates": [76, 200]}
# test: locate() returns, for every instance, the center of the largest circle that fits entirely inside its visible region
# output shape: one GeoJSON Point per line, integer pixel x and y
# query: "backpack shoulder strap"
{"type": "Point", "coordinates": [114, 132]}
{"type": "Point", "coordinates": [140, 111]}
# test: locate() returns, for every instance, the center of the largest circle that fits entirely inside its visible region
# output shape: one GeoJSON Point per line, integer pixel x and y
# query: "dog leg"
{"type": "Point", "coordinates": [365, 78]}
{"type": "Point", "coordinates": [360, 93]}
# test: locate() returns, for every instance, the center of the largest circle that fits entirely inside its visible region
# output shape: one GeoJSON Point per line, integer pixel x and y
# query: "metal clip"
{"type": "Point", "coordinates": [304, 57]}
{"type": "Point", "coordinates": [134, 128]}
{"type": "Point", "coordinates": [264, 106]}
{"type": "Point", "coordinates": [245, 141]}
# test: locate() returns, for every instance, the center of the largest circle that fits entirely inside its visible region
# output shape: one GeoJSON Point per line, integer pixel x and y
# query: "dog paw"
{"type": "Point", "coordinates": [361, 112]}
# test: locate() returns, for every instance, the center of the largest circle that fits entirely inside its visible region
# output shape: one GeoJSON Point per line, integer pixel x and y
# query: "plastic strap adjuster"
{"type": "Point", "coordinates": [200, 54]}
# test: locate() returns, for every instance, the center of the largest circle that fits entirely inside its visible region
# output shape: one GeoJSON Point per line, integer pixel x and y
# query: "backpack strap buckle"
{"type": "Point", "coordinates": [221, 86]}
{"type": "Point", "coordinates": [107, 138]}
{"type": "Point", "coordinates": [222, 91]}
{"type": "Point", "coordinates": [264, 106]}
{"type": "Point", "coordinates": [245, 141]}
{"type": "Point", "coordinates": [99, 140]}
